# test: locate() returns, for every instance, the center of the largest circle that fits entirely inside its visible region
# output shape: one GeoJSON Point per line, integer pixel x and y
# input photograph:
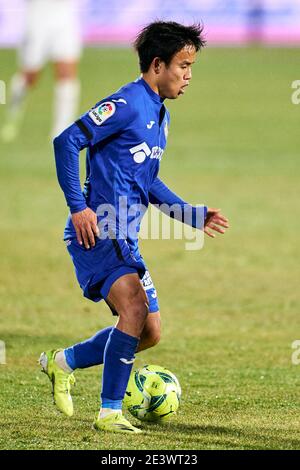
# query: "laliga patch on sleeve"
{"type": "Point", "coordinates": [101, 113]}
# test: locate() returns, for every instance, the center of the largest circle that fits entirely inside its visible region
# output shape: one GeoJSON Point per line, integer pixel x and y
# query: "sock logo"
{"type": "Point", "coordinates": [126, 361]}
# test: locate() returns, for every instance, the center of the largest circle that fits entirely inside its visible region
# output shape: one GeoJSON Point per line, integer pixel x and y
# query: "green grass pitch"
{"type": "Point", "coordinates": [230, 311]}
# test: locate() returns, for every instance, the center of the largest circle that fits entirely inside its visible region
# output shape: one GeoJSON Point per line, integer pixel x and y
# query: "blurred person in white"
{"type": "Point", "coordinates": [52, 33]}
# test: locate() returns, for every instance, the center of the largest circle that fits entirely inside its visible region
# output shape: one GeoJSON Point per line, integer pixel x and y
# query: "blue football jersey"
{"type": "Point", "coordinates": [125, 135]}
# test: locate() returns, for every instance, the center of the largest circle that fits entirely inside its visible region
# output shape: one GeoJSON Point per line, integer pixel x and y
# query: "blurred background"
{"type": "Point", "coordinates": [234, 143]}
{"type": "Point", "coordinates": [227, 22]}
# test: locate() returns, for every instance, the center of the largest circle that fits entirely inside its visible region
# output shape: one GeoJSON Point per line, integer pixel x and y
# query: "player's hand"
{"type": "Point", "coordinates": [85, 224]}
{"type": "Point", "coordinates": [215, 221]}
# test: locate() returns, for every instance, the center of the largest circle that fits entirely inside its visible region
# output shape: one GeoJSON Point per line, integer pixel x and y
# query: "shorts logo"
{"type": "Point", "coordinates": [147, 281]}
{"type": "Point", "coordinates": [102, 112]}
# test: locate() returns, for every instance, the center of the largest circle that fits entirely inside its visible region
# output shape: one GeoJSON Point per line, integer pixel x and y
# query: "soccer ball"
{"type": "Point", "coordinates": [153, 394]}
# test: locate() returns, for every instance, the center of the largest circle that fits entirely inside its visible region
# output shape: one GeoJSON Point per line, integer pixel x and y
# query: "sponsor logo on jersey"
{"type": "Point", "coordinates": [101, 113]}
{"type": "Point", "coordinates": [141, 151]}
{"type": "Point", "coordinates": [157, 153]}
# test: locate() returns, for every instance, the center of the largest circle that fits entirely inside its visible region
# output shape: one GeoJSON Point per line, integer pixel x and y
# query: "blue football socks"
{"type": "Point", "coordinates": [118, 361]}
{"type": "Point", "coordinates": [88, 353]}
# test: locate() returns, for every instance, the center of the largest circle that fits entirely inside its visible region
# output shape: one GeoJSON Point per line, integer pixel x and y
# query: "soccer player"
{"type": "Point", "coordinates": [125, 135]}
{"type": "Point", "coordinates": [51, 33]}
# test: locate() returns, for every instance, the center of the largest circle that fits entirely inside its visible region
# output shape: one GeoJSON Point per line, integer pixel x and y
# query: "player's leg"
{"type": "Point", "coordinates": [129, 299]}
{"type": "Point", "coordinates": [66, 95]}
{"type": "Point", "coordinates": [152, 329]}
{"type": "Point", "coordinates": [151, 333]}
{"type": "Point", "coordinates": [60, 364]}
{"type": "Point", "coordinates": [90, 353]}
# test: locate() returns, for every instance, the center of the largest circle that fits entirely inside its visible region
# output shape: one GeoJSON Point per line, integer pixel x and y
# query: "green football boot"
{"type": "Point", "coordinates": [115, 422]}
{"type": "Point", "coordinates": [61, 382]}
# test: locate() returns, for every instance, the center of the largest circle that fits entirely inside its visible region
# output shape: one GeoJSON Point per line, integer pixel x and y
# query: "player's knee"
{"type": "Point", "coordinates": [139, 310]}
{"type": "Point", "coordinates": [137, 307]}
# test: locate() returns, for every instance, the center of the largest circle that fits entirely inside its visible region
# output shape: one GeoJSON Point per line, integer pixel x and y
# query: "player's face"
{"type": "Point", "coordinates": [175, 78]}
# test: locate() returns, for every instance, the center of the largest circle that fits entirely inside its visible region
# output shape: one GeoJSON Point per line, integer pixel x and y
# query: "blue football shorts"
{"type": "Point", "coordinates": [99, 267]}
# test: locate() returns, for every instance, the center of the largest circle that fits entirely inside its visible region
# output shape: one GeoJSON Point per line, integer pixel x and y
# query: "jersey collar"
{"type": "Point", "coordinates": [150, 92]}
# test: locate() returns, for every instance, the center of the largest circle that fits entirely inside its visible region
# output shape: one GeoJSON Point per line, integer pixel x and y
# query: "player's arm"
{"type": "Point", "coordinates": [107, 118]}
{"type": "Point", "coordinates": [175, 207]}
{"type": "Point", "coordinates": [67, 147]}
{"type": "Point", "coordinates": [199, 217]}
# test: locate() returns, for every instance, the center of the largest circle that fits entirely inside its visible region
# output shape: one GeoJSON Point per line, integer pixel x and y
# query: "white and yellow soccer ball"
{"type": "Point", "coordinates": [153, 394]}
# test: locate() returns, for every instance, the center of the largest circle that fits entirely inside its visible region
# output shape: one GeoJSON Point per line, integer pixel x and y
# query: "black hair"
{"type": "Point", "coordinates": [164, 39]}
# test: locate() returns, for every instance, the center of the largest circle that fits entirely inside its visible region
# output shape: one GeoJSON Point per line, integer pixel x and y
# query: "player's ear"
{"type": "Point", "coordinates": [157, 62]}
